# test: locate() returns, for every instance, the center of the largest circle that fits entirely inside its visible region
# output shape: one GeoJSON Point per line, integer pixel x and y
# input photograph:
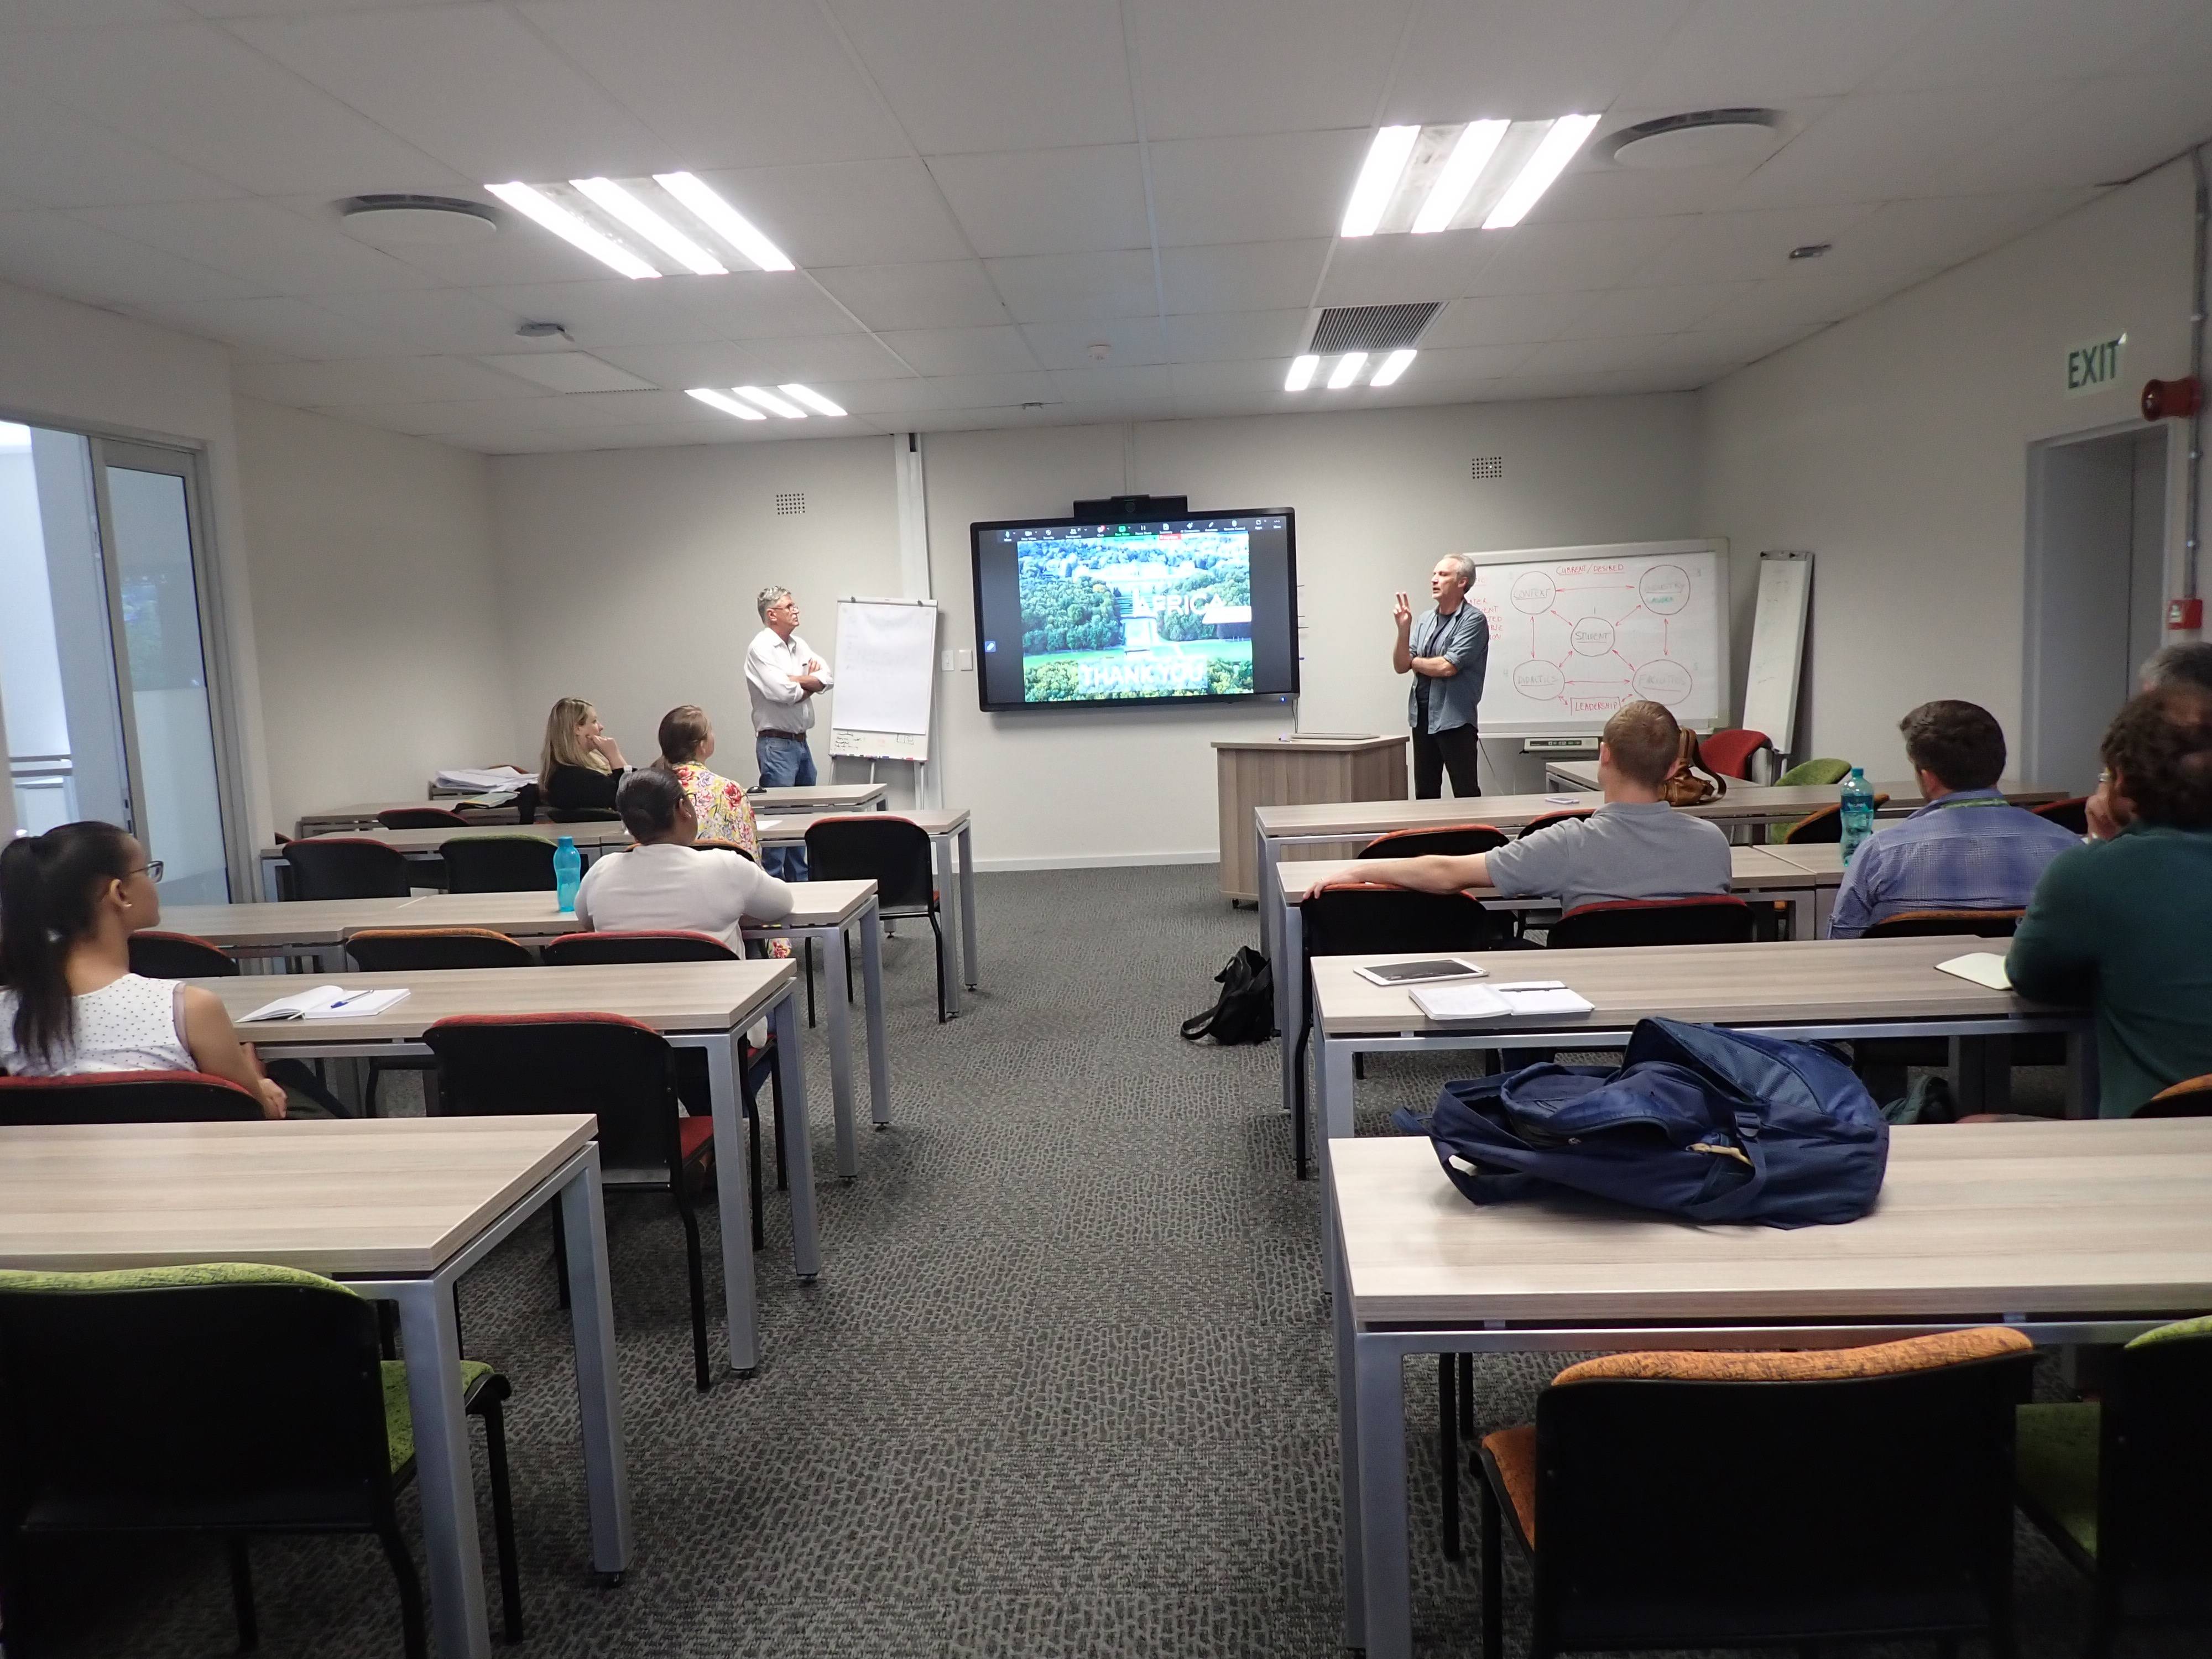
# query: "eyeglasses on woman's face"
{"type": "Point", "coordinates": [151, 870]}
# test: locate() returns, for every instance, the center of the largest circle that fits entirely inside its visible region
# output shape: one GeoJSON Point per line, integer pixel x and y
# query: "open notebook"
{"type": "Point", "coordinates": [1521, 998]}
{"type": "Point", "coordinates": [325, 1002]}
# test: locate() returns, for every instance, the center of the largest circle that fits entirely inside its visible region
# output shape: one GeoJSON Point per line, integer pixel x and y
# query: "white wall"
{"type": "Point", "coordinates": [378, 614]}
{"type": "Point", "coordinates": [1894, 445]}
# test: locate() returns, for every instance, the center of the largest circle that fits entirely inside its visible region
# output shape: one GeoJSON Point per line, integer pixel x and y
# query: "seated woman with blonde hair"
{"type": "Point", "coordinates": [581, 765]}
{"type": "Point", "coordinates": [687, 744]}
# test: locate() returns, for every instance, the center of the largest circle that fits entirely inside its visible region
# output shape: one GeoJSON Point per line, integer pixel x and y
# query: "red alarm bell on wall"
{"type": "Point", "coordinates": [2177, 400]}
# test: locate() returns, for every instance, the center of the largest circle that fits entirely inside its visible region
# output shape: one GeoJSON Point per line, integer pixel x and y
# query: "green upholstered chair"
{"type": "Point", "coordinates": [229, 1398]}
{"type": "Point", "coordinates": [1805, 772]}
{"type": "Point", "coordinates": [2124, 1486]}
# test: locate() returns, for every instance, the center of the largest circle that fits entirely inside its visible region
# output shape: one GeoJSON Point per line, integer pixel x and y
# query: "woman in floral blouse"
{"type": "Point", "coordinates": [687, 741]}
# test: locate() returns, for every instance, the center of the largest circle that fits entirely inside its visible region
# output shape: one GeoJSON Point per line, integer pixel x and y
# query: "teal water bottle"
{"type": "Point", "coordinates": [1858, 812]}
{"type": "Point", "coordinates": [567, 872]}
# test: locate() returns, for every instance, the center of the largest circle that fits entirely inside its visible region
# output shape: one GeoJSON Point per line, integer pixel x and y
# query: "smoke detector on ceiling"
{"type": "Point", "coordinates": [402, 220]}
{"type": "Point", "coordinates": [1701, 138]}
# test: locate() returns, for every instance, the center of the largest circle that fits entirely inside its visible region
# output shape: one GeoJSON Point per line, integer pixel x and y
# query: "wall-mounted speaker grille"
{"type": "Point", "coordinates": [1489, 467]}
{"type": "Point", "coordinates": [788, 502]}
{"type": "Point", "coordinates": [1371, 328]}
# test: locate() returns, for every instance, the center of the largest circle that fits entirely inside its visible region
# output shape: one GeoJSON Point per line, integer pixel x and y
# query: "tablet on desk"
{"type": "Point", "coordinates": [1417, 973]}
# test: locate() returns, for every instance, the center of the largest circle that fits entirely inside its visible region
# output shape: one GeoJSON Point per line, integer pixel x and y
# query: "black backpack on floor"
{"type": "Point", "coordinates": [1245, 1011]}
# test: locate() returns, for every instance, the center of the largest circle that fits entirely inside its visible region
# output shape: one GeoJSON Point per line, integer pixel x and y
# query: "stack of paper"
{"type": "Point", "coordinates": [1981, 967]}
{"type": "Point", "coordinates": [483, 777]}
{"type": "Point", "coordinates": [325, 1002]}
{"type": "Point", "coordinates": [1521, 1000]}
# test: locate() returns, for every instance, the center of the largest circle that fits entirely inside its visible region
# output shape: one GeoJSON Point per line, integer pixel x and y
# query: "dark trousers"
{"type": "Point", "coordinates": [1435, 753]}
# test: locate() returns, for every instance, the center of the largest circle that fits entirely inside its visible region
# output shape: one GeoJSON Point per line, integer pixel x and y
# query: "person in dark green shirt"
{"type": "Point", "coordinates": [2125, 925]}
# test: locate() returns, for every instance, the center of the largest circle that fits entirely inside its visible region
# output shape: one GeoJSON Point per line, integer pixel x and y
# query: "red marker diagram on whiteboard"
{"type": "Point", "coordinates": [1581, 637]}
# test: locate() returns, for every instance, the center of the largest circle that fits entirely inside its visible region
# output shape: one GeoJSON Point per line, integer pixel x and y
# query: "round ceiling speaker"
{"type": "Point", "coordinates": [1703, 138]}
{"type": "Point", "coordinates": [416, 220]}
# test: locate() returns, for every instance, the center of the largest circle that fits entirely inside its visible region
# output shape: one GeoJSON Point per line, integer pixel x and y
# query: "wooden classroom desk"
{"type": "Point", "coordinates": [824, 911]}
{"type": "Point", "coordinates": [302, 927]}
{"type": "Point", "coordinates": [819, 798]}
{"type": "Point", "coordinates": [694, 1004]}
{"type": "Point", "coordinates": [400, 1209]}
{"type": "Point", "coordinates": [2073, 1232]}
{"type": "Point", "coordinates": [948, 829]}
{"type": "Point", "coordinates": [361, 815]}
{"type": "Point", "coordinates": [1756, 873]}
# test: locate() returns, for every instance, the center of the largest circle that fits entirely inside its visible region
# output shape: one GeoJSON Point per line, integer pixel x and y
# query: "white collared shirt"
{"type": "Point", "coordinates": [772, 669]}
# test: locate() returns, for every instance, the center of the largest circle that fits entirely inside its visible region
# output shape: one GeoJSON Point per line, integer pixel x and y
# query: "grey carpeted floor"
{"type": "Point", "coordinates": [1064, 1389]}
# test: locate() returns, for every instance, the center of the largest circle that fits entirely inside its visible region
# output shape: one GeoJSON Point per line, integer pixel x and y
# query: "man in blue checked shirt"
{"type": "Point", "coordinates": [1968, 849]}
{"type": "Point", "coordinates": [1446, 651]}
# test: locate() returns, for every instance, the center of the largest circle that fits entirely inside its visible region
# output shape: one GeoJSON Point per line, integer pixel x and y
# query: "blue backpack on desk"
{"type": "Point", "coordinates": [1699, 1122]}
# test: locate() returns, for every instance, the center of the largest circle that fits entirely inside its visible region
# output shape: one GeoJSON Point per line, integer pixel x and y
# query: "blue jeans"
{"type": "Point", "coordinates": [785, 760]}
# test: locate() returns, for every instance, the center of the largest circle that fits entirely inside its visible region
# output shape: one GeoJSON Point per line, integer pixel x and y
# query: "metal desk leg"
{"type": "Point", "coordinates": [841, 1048]}
{"type": "Point", "coordinates": [943, 869]}
{"type": "Point", "coordinates": [968, 947]}
{"type": "Point", "coordinates": [1334, 1117]}
{"type": "Point", "coordinates": [871, 987]}
{"type": "Point", "coordinates": [270, 890]}
{"type": "Point", "coordinates": [734, 1197]}
{"type": "Point", "coordinates": [1380, 1379]}
{"type": "Point", "coordinates": [798, 1149]}
{"type": "Point", "coordinates": [1290, 997]}
{"type": "Point", "coordinates": [1824, 910]}
{"type": "Point", "coordinates": [598, 1384]}
{"type": "Point", "coordinates": [1348, 1437]}
{"type": "Point", "coordinates": [1981, 1070]}
{"type": "Point", "coordinates": [2081, 1085]}
{"type": "Point", "coordinates": [431, 1330]}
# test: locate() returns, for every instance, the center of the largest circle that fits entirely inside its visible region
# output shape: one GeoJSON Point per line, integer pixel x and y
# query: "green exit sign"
{"type": "Point", "coordinates": [2094, 367]}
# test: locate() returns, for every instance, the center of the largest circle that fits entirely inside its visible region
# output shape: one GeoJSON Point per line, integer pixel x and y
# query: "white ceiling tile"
{"type": "Point", "coordinates": [1378, 271]}
{"type": "Point", "coordinates": [55, 157]}
{"type": "Point", "coordinates": [2186, 50]}
{"type": "Point", "coordinates": [963, 350]}
{"type": "Point", "coordinates": [64, 255]}
{"type": "Point", "coordinates": [1811, 299]}
{"type": "Point", "coordinates": [748, 305]}
{"type": "Point", "coordinates": [614, 310]}
{"type": "Point", "coordinates": [1215, 336]}
{"type": "Point", "coordinates": [2097, 132]}
{"type": "Point", "coordinates": [1506, 318]}
{"type": "Point", "coordinates": [1240, 275]}
{"type": "Point", "coordinates": [984, 391]}
{"type": "Point", "coordinates": [388, 380]}
{"type": "Point", "coordinates": [892, 397]}
{"type": "Point", "coordinates": [1735, 53]}
{"type": "Point", "coordinates": [192, 92]}
{"type": "Point", "coordinates": [758, 85]}
{"type": "Point", "coordinates": [1236, 66]}
{"type": "Point", "coordinates": [1114, 383]}
{"type": "Point", "coordinates": [814, 359]}
{"type": "Point", "coordinates": [1089, 199]}
{"type": "Point", "coordinates": [89, 13]}
{"type": "Point", "coordinates": [1881, 146]}
{"type": "Point", "coordinates": [1597, 357]}
{"type": "Point", "coordinates": [1985, 43]}
{"type": "Point", "coordinates": [433, 319]}
{"type": "Point", "coordinates": [1263, 188]}
{"type": "Point", "coordinates": [712, 364]}
{"type": "Point", "coordinates": [1601, 190]}
{"type": "Point", "coordinates": [565, 371]}
{"type": "Point", "coordinates": [470, 84]}
{"type": "Point", "coordinates": [292, 327]}
{"type": "Point", "coordinates": [1062, 287]}
{"type": "Point", "coordinates": [848, 213]}
{"type": "Point", "coordinates": [1652, 310]}
{"type": "Point", "coordinates": [1934, 232]}
{"type": "Point", "coordinates": [1451, 365]}
{"type": "Point", "coordinates": [1252, 387]}
{"type": "Point", "coordinates": [1716, 247]}
{"type": "Point", "coordinates": [277, 251]}
{"type": "Point", "coordinates": [1533, 258]}
{"type": "Point", "coordinates": [521, 252]}
{"type": "Point", "coordinates": [1128, 340]}
{"type": "Point", "coordinates": [944, 294]}
{"type": "Point", "coordinates": [415, 420]}
{"type": "Point", "coordinates": [1527, 59]}
{"type": "Point", "coordinates": [589, 411]}
{"type": "Point", "coordinates": [970, 74]}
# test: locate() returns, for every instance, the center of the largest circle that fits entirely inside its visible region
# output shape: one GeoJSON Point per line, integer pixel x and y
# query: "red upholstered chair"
{"type": "Point", "coordinates": [126, 1098]}
{"type": "Point", "coordinates": [2072, 814]}
{"type": "Point", "coordinates": [1458, 841]}
{"type": "Point", "coordinates": [419, 817]}
{"type": "Point", "coordinates": [1729, 752]}
{"type": "Point", "coordinates": [1825, 823]}
{"type": "Point", "coordinates": [425, 950]}
{"type": "Point", "coordinates": [619, 1070]}
{"type": "Point", "coordinates": [2189, 1098]}
{"type": "Point", "coordinates": [1550, 818]}
{"type": "Point", "coordinates": [1721, 919]}
{"type": "Point", "coordinates": [158, 955]}
{"type": "Point", "coordinates": [1928, 924]}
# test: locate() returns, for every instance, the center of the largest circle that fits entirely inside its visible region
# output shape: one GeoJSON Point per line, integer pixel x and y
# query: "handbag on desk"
{"type": "Point", "coordinates": [1690, 783]}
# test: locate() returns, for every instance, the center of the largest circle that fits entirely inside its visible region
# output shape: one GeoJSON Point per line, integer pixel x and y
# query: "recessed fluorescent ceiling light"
{"type": "Point", "coordinates": [1393, 367]}
{"type": "Point", "coordinates": [651, 226]}
{"type": "Point", "coordinates": [728, 222]}
{"type": "Point", "coordinates": [1302, 373]}
{"type": "Point", "coordinates": [534, 204]}
{"type": "Point", "coordinates": [813, 399]}
{"type": "Point", "coordinates": [1488, 173]}
{"type": "Point", "coordinates": [770, 402]}
{"type": "Point", "coordinates": [723, 401]}
{"type": "Point", "coordinates": [1347, 370]}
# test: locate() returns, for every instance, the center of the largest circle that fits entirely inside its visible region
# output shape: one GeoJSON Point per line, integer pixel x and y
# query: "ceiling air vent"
{"type": "Point", "coordinates": [1489, 467]}
{"type": "Point", "coordinates": [1371, 328]}
{"type": "Point", "coordinates": [1700, 138]}
{"type": "Point", "coordinates": [789, 503]}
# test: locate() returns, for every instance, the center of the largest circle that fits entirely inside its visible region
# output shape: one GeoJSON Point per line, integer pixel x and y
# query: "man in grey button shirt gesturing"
{"type": "Point", "coordinates": [1446, 651]}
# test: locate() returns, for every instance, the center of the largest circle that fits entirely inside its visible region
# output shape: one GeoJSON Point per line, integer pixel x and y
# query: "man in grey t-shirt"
{"type": "Point", "coordinates": [1634, 847]}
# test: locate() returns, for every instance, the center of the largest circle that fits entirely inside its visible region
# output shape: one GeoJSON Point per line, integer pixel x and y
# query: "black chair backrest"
{"type": "Point", "coordinates": [728, 846]}
{"type": "Point", "coordinates": [1720, 919]}
{"type": "Point", "coordinates": [498, 1066]}
{"type": "Point", "coordinates": [1550, 818]}
{"type": "Point", "coordinates": [498, 863]}
{"type": "Point", "coordinates": [419, 817]}
{"type": "Point", "coordinates": [418, 950]}
{"type": "Point", "coordinates": [580, 815]}
{"type": "Point", "coordinates": [1823, 823]}
{"type": "Point", "coordinates": [578, 950]}
{"type": "Point", "coordinates": [206, 1406]}
{"type": "Point", "coordinates": [525, 803]}
{"type": "Point", "coordinates": [1887, 1500]}
{"type": "Point", "coordinates": [345, 866]}
{"type": "Point", "coordinates": [158, 955]}
{"type": "Point", "coordinates": [1357, 918]}
{"type": "Point", "coordinates": [2073, 814]}
{"type": "Point", "coordinates": [891, 851]}
{"type": "Point", "coordinates": [126, 1098]}
{"type": "Point", "coordinates": [1457, 840]}
{"type": "Point", "coordinates": [2154, 1498]}
{"type": "Point", "coordinates": [1928, 924]}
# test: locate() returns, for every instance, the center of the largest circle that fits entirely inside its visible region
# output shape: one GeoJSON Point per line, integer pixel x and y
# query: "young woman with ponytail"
{"type": "Point", "coordinates": [70, 901]}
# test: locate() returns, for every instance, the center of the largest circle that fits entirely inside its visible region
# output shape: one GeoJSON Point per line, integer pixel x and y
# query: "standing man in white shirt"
{"type": "Point", "coordinates": [783, 677]}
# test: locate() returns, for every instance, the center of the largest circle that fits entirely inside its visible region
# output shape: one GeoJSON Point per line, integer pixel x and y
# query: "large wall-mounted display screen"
{"type": "Point", "coordinates": [1093, 615]}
